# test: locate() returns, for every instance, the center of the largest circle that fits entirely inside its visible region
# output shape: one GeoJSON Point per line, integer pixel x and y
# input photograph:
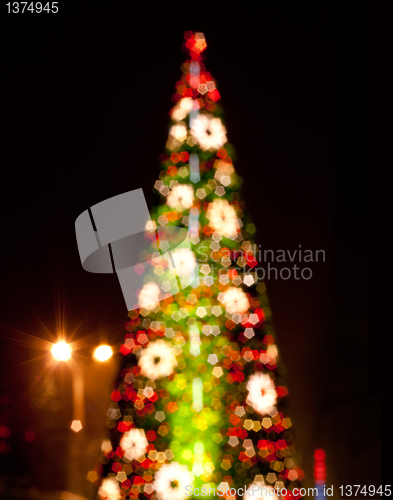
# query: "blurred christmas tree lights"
{"type": "Point", "coordinates": [200, 399]}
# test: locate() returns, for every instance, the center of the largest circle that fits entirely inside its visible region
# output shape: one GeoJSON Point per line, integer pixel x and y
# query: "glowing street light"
{"type": "Point", "coordinates": [61, 351]}
{"type": "Point", "coordinates": [103, 353]}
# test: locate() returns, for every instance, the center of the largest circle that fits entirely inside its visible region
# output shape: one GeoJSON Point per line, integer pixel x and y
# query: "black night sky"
{"type": "Point", "coordinates": [85, 102]}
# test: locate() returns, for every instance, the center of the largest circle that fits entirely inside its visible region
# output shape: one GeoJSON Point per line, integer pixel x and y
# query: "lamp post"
{"type": "Point", "coordinates": [62, 351]}
{"type": "Point", "coordinates": [78, 443]}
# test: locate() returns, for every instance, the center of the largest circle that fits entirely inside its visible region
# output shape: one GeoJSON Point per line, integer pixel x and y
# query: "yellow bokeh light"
{"type": "Point", "coordinates": [266, 423]}
{"type": "Point", "coordinates": [103, 353]}
{"type": "Point", "coordinates": [248, 424]}
{"type": "Point", "coordinates": [92, 476]}
{"type": "Point", "coordinates": [256, 426]}
{"type": "Point", "coordinates": [121, 476]}
{"type": "Point", "coordinates": [61, 351]}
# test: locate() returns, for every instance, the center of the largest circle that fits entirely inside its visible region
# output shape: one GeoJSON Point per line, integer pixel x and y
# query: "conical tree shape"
{"type": "Point", "coordinates": [200, 399]}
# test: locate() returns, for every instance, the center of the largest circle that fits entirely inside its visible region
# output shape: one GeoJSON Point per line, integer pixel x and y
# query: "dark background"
{"type": "Point", "coordinates": [85, 101]}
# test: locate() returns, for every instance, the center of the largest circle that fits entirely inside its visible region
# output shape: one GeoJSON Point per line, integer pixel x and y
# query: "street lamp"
{"type": "Point", "coordinates": [61, 351]}
{"type": "Point", "coordinates": [103, 353]}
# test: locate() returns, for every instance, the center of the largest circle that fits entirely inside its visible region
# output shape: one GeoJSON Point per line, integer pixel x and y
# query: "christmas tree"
{"type": "Point", "coordinates": [199, 405]}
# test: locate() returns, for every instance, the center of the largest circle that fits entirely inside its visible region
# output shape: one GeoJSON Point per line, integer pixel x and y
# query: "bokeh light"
{"type": "Point", "coordinates": [61, 351]}
{"type": "Point", "coordinates": [76, 425]}
{"type": "Point", "coordinates": [103, 353]}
